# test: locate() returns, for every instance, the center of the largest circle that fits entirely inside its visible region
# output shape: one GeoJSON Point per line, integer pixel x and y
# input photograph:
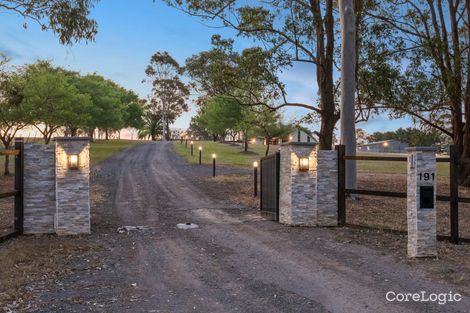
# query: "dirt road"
{"type": "Point", "coordinates": [234, 262]}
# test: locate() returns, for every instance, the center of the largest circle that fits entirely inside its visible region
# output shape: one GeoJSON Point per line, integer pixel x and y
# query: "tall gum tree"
{"type": "Point", "coordinates": [427, 61]}
{"type": "Point", "coordinates": [292, 31]}
{"type": "Point", "coordinates": [169, 93]}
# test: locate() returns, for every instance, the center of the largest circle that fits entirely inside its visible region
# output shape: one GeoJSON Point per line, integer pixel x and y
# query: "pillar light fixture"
{"type": "Point", "coordinates": [73, 161]}
{"type": "Point", "coordinates": [303, 164]}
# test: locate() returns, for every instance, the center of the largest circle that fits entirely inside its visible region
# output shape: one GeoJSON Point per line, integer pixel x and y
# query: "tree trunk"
{"type": "Point", "coordinates": [348, 86]}
{"type": "Point", "coordinates": [245, 141]}
{"type": "Point", "coordinates": [106, 134]}
{"type": "Point", "coordinates": [324, 69]}
{"type": "Point", "coordinates": [267, 148]}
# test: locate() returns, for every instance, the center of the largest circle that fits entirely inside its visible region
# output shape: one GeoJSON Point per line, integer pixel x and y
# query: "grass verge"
{"type": "Point", "coordinates": [226, 153]}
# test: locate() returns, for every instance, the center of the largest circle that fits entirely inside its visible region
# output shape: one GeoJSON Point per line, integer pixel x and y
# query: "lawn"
{"type": "Point", "coordinates": [234, 155]}
{"type": "Point", "coordinates": [393, 167]}
{"type": "Point", "coordinates": [226, 153]}
{"type": "Point", "coordinates": [103, 149]}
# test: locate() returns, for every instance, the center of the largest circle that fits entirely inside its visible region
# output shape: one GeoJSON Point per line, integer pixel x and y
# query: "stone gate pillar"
{"type": "Point", "coordinates": [298, 170]}
{"type": "Point", "coordinates": [421, 202]}
{"type": "Point", "coordinates": [72, 168]}
{"type": "Point", "coordinates": [327, 188]}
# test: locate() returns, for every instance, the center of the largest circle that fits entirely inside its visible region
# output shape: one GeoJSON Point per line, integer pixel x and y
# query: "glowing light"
{"type": "Point", "coordinates": [255, 164]}
{"type": "Point", "coordinates": [303, 164]}
{"type": "Point", "coordinates": [213, 156]}
{"type": "Point", "coordinates": [200, 148]}
{"type": "Point", "coordinates": [73, 161]}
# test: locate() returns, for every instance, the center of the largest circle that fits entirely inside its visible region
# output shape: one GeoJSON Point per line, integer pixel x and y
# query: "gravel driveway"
{"type": "Point", "coordinates": [234, 262]}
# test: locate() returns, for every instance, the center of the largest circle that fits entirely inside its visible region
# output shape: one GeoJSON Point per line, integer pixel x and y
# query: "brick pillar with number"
{"type": "Point", "coordinates": [421, 202]}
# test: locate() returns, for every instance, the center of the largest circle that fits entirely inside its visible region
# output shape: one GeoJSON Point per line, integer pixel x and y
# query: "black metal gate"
{"type": "Point", "coordinates": [269, 197]}
{"type": "Point", "coordinates": [17, 193]}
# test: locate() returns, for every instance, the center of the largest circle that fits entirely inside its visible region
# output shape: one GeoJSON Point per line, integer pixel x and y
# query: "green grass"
{"type": "Point", "coordinates": [234, 155]}
{"type": "Point", "coordinates": [393, 167]}
{"type": "Point", "coordinates": [100, 150]}
{"type": "Point", "coordinates": [225, 152]}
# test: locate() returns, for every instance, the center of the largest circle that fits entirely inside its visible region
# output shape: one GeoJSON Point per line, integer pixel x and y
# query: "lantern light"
{"type": "Point", "coordinates": [73, 161]}
{"type": "Point", "coordinates": [303, 164]}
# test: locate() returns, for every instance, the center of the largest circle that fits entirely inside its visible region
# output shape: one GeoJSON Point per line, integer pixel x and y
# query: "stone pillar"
{"type": "Point", "coordinates": [327, 188]}
{"type": "Point", "coordinates": [297, 203]}
{"type": "Point", "coordinates": [421, 202]}
{"type": "Point", "coordinates": [72, 186]}
{"type": "Point", "coordinates": [39, 189]}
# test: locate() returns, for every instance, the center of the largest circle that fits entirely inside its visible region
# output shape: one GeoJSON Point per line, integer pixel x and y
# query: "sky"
{"type": "Point", "coordinates": [129, 32]}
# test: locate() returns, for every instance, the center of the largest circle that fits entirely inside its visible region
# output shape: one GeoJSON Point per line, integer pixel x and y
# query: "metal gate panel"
{"type": "Point", "coordinates": [269, 197]}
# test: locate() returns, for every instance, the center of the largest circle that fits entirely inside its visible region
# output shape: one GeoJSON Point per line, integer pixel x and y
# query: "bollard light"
{"type": "Point", "coordinates": [303, 164]}
{"type": "Point", "coordinates": [200, 155]}
{"type": "Point", "coordinates": [73, 161]}
{"type": "Point", "coordinates": [255, 179]}
{"type": "Point", "coordinates": [290, 138]}
{"type": "Point", "coordinates": [213, 164]}
{"type": "Point", "coordinates": [192, 143]}
{"type": "Point", "coordinates": [253, 141]}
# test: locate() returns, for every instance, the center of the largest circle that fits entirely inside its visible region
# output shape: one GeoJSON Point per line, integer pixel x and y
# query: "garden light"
{"type": "Point", "coordinates": [255, 179]}
{"type": "Point", "coordinates": [192, 143]}
{"type": "Point", "coordinates": [73, 161]}
{"type": "Point", "coordinates": [303, 164]}
{"type": "Point", "coordinates": [213, 164]}
{"type": "Point", "coordinates": [200, 155]}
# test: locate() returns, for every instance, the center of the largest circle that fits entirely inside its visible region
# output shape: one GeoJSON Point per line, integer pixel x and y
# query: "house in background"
{"type": "Point", "coordinates": [385, 146]}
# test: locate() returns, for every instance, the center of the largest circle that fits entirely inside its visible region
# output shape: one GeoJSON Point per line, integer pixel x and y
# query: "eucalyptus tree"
{"type": "Point", "coordinates": [169, 93]}
{"type": "Point", "coordinates": [12, 115]}
{"type": "Point", "coordinates": [68, 19]}
{"type": "Point", "coordinates": [51, 102]}
{"type": "Point", "coordinates": [292, 31]}
{"type": "Point", "coordinates": [426, 63]}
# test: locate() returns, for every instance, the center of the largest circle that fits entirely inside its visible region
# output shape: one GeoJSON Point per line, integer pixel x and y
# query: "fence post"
{"type": "Point", "coordinates": [278, 182]}
{"type": "Point", "coordinates": [19, 185]}
{"type": "Point", "coordinates": [421, 202]}
{"type": "Point", "coordinates": [454, 195]}
{"type": "Point", "coordinates": [341, 185]}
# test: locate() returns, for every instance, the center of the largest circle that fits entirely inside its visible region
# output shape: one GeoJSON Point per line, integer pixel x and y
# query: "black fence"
{"type": "Point", "coordinates": [269, 181]}
{"type": "Point", "coordinates": [17, 193]}
{"type": "Point", "coordinates": [454, 198]}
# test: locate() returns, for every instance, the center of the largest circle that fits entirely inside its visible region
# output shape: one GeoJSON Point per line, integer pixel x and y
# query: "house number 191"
{"type": "Point", "coordinates": [426, 176]}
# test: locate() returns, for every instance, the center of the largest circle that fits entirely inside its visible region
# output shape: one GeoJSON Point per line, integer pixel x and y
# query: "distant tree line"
{"type": "Point", "coordinates": [55, 100]}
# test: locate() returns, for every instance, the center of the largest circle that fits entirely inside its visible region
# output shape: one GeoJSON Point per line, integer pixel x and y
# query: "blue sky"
{"type": "Point", "coordinates": [129, 34]}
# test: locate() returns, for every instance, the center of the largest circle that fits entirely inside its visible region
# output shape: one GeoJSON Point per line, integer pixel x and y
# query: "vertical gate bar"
{"type": "Point", "coordinates": [454, 195]}
{"type": "Point", "coordinates": [341, 185]}
{"type": "Point", "coordinates": [261, 184]}
{"type": "Point", "coordinates": [278, 167]}
{"type": "Point", "coordinates": [255, 181]}
{"type": "Point", "coordinates": [19, 178]}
